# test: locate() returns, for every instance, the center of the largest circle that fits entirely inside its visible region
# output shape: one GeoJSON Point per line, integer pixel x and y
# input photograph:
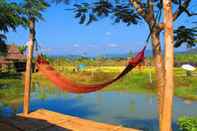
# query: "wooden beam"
{"type": "Point", "coordinates": [28, 73]}
{"type": "Point", "coordinates": [166, 118]}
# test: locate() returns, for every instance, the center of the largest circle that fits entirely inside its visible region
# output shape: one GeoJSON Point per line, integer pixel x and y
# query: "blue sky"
{"type": "Point", "coordinates": [61, 34]}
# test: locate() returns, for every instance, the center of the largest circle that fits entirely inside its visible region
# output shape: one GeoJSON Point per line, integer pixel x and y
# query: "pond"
{"type": "Point", "coordinates": [136, 110]}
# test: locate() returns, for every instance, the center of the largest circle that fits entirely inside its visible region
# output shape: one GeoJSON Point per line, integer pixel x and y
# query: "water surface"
{"type": "Point", "coordinates": [128, 109]}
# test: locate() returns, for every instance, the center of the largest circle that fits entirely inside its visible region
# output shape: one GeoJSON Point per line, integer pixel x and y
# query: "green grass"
{"type": "Point", "coordinates": [186, 58]}
{"type": "Point", "coordinates": [137, 81]}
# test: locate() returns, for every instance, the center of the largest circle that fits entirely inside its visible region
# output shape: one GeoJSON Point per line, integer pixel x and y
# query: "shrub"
{"type": "Point", "coordinates": [187, 123]}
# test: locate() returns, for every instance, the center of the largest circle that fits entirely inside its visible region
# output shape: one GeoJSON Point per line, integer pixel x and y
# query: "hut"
{"type": "Point", "coordinates": [5, 64]}
{"type": "Point", "coordinates": [13, 59]}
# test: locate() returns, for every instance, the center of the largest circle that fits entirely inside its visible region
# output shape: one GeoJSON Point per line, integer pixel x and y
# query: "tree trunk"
{"type": "Point", "coordinates": [169, 64]}
{"type": "Point", "coordinates": [159, 68]}
{"type": "Point", "coordinates": [29, 66]}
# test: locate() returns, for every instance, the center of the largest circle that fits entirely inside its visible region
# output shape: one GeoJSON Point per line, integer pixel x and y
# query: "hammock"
{"type": "Point", "coordinates": [68, 85]}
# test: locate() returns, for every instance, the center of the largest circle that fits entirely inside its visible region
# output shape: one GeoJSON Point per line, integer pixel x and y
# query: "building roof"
{"type": "Point", "coordinates": [3, 61]}
{"type": "Point", "coordinates": [13, 53]}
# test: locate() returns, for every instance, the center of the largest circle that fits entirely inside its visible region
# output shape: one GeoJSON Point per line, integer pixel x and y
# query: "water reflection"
{"type": "Point", "coordinates": [127, 109]}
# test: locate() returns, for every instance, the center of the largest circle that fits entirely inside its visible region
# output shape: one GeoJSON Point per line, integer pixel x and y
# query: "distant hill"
{"type": "Point", "coordinates": [110, 55]}
{"type": "Point", "coordinates": [192, 51]}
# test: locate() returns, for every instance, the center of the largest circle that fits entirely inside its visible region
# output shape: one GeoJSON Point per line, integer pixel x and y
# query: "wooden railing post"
{"type": "Point", "coordinates": [28, 73]}
{"type": "Point", "coordinates": [166, 119]}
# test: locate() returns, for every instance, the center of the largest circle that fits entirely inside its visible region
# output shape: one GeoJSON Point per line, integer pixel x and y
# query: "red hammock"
{"type": "Point", "coordinates": [70, 86]}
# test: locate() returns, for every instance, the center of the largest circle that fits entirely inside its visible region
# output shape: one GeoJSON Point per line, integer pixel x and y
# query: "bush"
{"type": "Point", "coordinates": [187, 123]}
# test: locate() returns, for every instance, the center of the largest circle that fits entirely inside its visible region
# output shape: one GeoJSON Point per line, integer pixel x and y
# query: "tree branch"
{"type": "Point", "coordinates": [150, 15]}
{"type": "Point", "coordinates": [189, 13]}
{"type": "Point", "coordinates": [182, 8]}
{"type": "Point", "coordinates": [139, 7]}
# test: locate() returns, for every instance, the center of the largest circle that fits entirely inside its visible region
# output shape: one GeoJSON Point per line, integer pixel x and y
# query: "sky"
{"type": "Point", "coordinates": [61, 34]}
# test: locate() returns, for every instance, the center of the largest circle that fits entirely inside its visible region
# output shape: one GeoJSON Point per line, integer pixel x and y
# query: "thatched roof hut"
{"type": "Point", "coordinates": [13, 54]}
{"type": "Point", "coordinates": [13, 57]}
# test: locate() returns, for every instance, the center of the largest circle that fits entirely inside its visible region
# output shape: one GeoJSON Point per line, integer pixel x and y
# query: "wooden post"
{"type": "Point", "coordinates": [166, 118]}
{"type": "Point", "coordinates": [29, 66]}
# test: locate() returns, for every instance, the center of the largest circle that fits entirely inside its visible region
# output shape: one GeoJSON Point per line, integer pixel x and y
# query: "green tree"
{"type": "Point", "coordinates": [10, 18]}
{"type": "Point", "coordinates": [184, 35]}
{"type": "Point", "coordinates": [3, 47]}
{"type": "Point", "coordinates": [32, 10]}
{"type": "Point", "coordinates": [22, 48]}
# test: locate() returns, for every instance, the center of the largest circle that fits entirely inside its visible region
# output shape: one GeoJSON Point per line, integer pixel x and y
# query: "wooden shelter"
{"type": "Point", "coordinates": [13, 54]}
{"type": "Point", "coordinates": [13, 58]}
{"type": "Point", "coordinates": [4, 64]}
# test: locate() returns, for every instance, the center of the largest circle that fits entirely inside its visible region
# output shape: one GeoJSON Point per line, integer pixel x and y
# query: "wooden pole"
{"type": "Point", "coordinates": [166, 118]}
{"type": "Point", "coordinates": [27, 88]}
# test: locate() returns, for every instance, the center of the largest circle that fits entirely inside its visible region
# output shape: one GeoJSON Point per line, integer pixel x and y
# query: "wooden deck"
{"type": "Point", "coordinates": [44, 120]}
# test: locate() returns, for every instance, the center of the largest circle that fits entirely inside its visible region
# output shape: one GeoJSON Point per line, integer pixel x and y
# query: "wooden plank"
{"type": "Point", "coordinates": [65, 122]}
{"type": "Point", "coordinates": [25, 124]}
{"type": "Point", "coordinates": [6, 127]}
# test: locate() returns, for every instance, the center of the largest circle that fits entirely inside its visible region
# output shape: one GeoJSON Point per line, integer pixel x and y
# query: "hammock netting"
{"type": "Point", "coordinates": [65, 84]}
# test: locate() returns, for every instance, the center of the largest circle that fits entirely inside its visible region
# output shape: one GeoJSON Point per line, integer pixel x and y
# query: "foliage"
{"type": "Point", "coordinates": [34, 8]}
{"type": "Point", "coordinates": [14, 14]}
{"type": "Point", "coordinates": [22, 48]}
{"type": "Point", "coordinates": [185, 35]}
{"type": "Point", "coordinates": [187, 123]}
{"type": "Point", "coordinates": [10, 18]}
{"type": "Point", "coordinates": [88, 13]}
{"type": "Point", "coordinates": [3, 47]}
{"type": "Point", "coordinates": [122, 11]}
{"type": "Point", "coordinates": [10, 15]}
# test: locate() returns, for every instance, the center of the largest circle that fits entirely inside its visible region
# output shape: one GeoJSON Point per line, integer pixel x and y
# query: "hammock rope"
{"type": "Point", "coordinates": [68, 85]}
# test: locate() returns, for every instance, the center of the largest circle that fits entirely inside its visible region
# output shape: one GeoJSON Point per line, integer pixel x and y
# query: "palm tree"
{"type": "Point", "coordinates": [32, 10]}
{"type": "Point", "coordinates": [10, 18]}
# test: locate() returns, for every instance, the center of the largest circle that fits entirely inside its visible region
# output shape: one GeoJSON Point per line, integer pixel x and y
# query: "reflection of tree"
{"type": "Point", "coordinates": [11, 96]}
{"type": "Point", "coordinates": [79, 96]}
{"type": "Point", "coordinates": [98, 98]}
{"type": "Point", "coordinates": [42, 91]}
{"type": "Point", "coordinates": [132, 106]}
{"type": "Point", "coordinates": [12, 92]}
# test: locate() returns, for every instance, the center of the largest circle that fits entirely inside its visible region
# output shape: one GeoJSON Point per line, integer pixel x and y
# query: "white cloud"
{"type": "Point", "coordinates": [108, 33]}
{"type": "Point", "coordinates": [112, 45]}
{"type": "Point", "coordinates": [76, 45]}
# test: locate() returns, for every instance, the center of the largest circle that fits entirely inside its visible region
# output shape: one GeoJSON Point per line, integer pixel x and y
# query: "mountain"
{"type": "Point", "coordinates": [192, 51]}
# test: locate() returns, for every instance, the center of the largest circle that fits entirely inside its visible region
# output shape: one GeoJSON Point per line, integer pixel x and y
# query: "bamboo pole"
{"type": "Point", "coordinates": [166, 118]}
{"type": "Point", "coordinates": [28, 73]}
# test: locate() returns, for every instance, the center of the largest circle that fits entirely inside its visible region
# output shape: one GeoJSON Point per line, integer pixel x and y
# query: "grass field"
{"type": "Point", "coordinates": [137, 81]}
{"type": "Point", "coordinates": [141, 81]}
